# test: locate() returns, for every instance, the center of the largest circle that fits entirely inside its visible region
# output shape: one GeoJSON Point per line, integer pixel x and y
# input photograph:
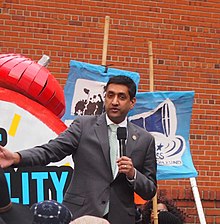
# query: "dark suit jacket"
{"type": "Point", "coordinates": [92, 184]}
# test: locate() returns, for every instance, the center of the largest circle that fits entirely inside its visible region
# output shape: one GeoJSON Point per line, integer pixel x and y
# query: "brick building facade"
{"type": "Point", "coordinates": [186, 48]}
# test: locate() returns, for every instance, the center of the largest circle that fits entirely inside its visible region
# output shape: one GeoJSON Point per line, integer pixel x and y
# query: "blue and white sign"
{"type": "Point", "coordinates": [167, 115]}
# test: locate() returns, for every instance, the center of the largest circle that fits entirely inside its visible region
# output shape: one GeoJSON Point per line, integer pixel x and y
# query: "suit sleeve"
{"type": "Point", "coordinates": [145, 184]}
{"type": "Point", "coordinates": [55, 150]}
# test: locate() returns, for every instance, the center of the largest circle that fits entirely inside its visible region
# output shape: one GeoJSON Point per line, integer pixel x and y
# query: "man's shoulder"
{"type": "Point", "coordinates": [89, 118]}
{"type": "Point", "coordinates": [86, 117]}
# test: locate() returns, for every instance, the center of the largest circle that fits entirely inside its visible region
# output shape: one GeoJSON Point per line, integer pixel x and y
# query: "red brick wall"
{"type": "Point", "coordinates": [186, 47]}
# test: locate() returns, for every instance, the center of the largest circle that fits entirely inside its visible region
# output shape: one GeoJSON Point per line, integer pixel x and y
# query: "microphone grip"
{"type": "Point", "coordinates": [122, 147]}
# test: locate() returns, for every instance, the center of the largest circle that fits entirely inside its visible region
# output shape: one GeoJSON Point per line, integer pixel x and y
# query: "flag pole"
{"type": "Point", "coordinates": [197, 200]}
{"type": "Point", "coordinates": [105, 40]}
{"type": "Point", "coordinates": [150, 52]}
{"type": "Point", "coordinates": [151, 66]}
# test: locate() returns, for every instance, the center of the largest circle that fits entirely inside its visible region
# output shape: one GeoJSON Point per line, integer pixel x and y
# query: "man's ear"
{"type": "Point", "coordinates": [133, 101]}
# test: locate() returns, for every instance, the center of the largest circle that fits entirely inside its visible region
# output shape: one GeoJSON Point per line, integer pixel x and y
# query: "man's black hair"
{"type": "Point", "coordinates": [123, 80]}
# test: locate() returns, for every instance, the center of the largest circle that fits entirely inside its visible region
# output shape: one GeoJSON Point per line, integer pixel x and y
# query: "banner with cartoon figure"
{"type": "Point", "coordinates": [84, 89]}
{"type": "Point", "coordinates": [166, 115]}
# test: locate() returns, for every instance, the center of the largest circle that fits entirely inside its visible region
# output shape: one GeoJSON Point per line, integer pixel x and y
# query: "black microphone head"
{"type": "Point", "coordinates": [121, 133]}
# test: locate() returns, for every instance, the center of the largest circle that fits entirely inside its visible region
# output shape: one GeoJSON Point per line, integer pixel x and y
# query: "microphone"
{"type": "Point", "coordinates": [122, 135]}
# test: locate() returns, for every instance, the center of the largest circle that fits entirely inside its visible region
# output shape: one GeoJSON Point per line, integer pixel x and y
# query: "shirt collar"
{"type": "Point", "coordinates": [122, 124]}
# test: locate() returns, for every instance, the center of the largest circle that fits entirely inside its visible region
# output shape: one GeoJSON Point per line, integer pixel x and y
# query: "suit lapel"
{"type": "Point", "coordinates": [133, 136]}
{"type": "Point", "coordinates": [102, 134]}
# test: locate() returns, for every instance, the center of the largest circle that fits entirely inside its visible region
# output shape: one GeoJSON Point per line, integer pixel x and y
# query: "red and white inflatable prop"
{"type": "Point", "coordinates": [31, 102]}
{"type": "Point", "coordinates": [33, 80]}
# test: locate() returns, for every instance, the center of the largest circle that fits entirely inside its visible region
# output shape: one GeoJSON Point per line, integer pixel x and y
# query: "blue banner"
{"type": "Point", "coordinates": [84, 89]}
{"type": "Point", "coordinates": [167, 115]}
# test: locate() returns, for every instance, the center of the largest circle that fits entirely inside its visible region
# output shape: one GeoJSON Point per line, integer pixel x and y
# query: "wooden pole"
{"type": "Point", "coordinates": [151, 90]}
{"type": "Point", "coordinates": [151, 67]}
{"type": "Point", "coordinates": [105, 41]}
{"type": "Point", "coordinates": [155, 209]}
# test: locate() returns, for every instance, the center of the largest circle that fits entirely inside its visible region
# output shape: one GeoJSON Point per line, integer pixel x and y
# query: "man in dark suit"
{"type": "Point", "coordinates": [95, 189]}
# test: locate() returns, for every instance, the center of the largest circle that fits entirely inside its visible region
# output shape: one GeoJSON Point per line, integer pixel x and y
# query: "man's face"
{"type": "Point", "coordinates": [118, 102]}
